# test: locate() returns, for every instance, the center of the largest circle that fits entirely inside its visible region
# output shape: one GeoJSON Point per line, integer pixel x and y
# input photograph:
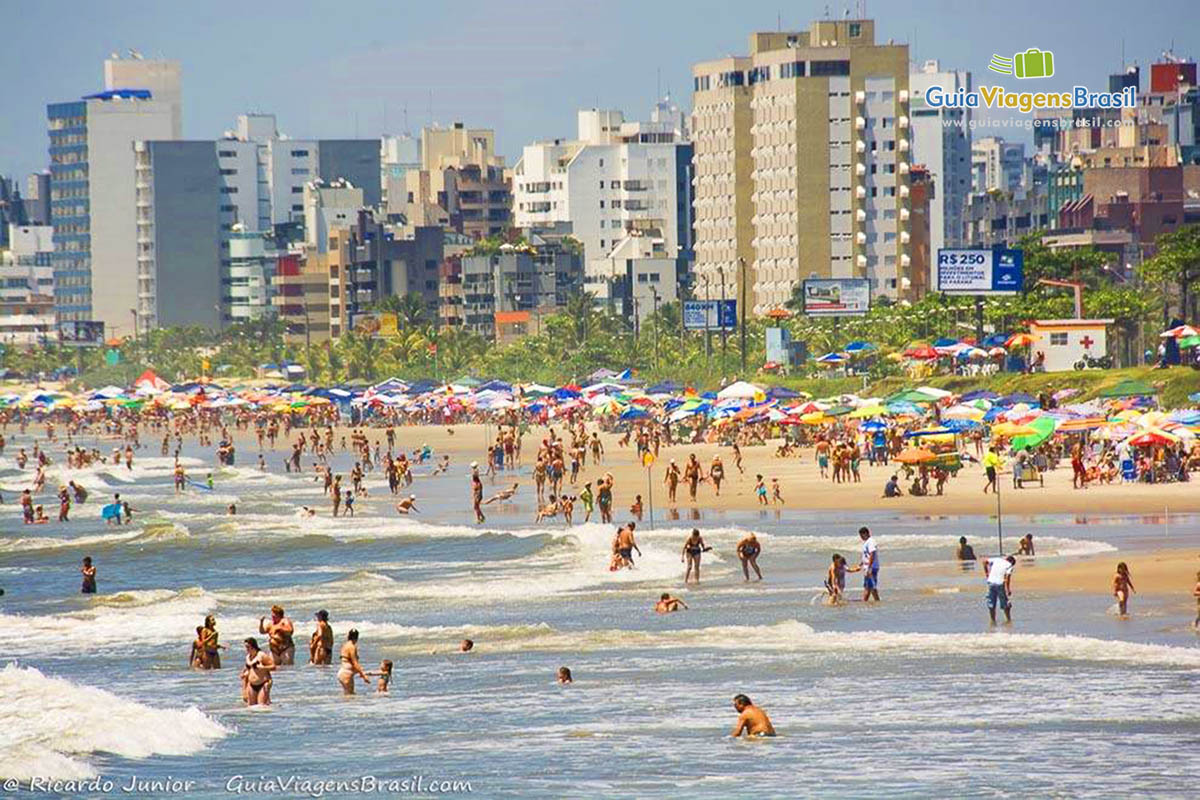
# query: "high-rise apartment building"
{"type": "Point", "coordinates": [997, 164]}
{"type": "Point", "coordinates": [941, 141]}
{"type": "Point", "coordinates": [614, 178]}
{"type": "Point", "coordinates": [802, 153]}
{"type": "Point", "coordinates": [92, 186]}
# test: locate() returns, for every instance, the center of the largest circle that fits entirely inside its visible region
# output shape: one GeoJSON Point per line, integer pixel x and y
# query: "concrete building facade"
{"type": "Point", "coordinates": [802, 154]}
{"type": "Point", "coordinates": [92, 191]}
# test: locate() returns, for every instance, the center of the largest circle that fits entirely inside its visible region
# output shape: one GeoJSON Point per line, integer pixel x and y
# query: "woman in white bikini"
{"type": "Point", "coordinates": [350, 665]}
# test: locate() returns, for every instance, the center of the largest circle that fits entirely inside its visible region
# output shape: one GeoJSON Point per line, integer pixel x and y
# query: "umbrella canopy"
{"type": "Point", "coordinates": [867, 411]}
{"type": "Point", "coordinates": [922, 352]}
{"type": "Point", "coordinates": [782, 393]}
{"type": "Point", "coordinates": [1016, 398]}
{"type": "Point", "coordinates": [858, 347]}
{"type": "Point", "coordinates": [1154, 436]}
{"type": "Point", "coordinates": [1043, 429]}
{"type": "Point", "coordinates": [1020, 340]}
{"type": "Point", "coordinates": [915, 455]}
{"type": "Point", "coordinates": [980, 394]}
{"type": "Point", "coordinates": [1179, 332]}
{"type": "Point", "coordinates": [832, 358]}
{"type": "Point", "coordinates": [666, 387]}
{"type": "Point", "coordinates": [779, 313]}
{"type": "Point", "coordinates": [873, 425]}
{"type": "Point", "coordinates": [945, 341]}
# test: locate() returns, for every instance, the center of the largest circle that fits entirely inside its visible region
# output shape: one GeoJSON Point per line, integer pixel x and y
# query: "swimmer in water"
{"type": "Point", "coordinates": [307, 512]}
{"type": "Point", "coordinates": [564, 675]}
{"type": "Point", "coordinates": [667, 604]}
{"type": "Point", "coordinates": [503, 496]}
{"type": "Point", "coordinates": [280, 631]}
{"type": "Point", "coordinates": [89, 576]}
{"type": "Point", "coordinates": [466, 646]}
{"type": "Point", "coordinates": [350, 665]}
{"type": "Point", "coordinates": [407, 505]}
{"type": "Point", "coordinates": [1122, 584]}
{"type": "Point", "coordinates": [752, 720]}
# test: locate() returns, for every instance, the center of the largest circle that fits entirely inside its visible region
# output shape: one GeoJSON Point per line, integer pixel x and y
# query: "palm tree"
{"type": "Point", "coordinates": [581, 311]}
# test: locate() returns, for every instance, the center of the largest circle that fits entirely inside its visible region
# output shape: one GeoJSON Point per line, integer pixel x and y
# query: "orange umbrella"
{"type": "Point", "coordinates": [915, 455]}
{"type": "Point", "coordinates": [779, 313]}
{"type": "Point", "coordinates": [1021, 340]}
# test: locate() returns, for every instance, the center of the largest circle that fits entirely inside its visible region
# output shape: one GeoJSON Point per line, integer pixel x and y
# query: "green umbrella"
{"type": "Point", "coordinates": [1043, 428]}
{"type": "Point", "coordinates": [911, 396]}
{"type": "Point", "coordinates": [1189, 341]}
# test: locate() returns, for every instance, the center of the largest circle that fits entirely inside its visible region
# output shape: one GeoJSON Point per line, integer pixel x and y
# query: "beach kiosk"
{"type": "Point", "coordinates": [1065, 341]}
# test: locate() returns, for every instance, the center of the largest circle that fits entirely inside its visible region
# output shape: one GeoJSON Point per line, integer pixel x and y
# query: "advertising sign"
{"type": "Point", "coordinates": [82, 333]}
{"type": "Point", "coordinates": [837, 297]}
{"type": "Point", "coordinates": [700, 315]}
{"type": "Point", "coordinates": [378, 324]}
{"type": "Point", "coordinates": [980, 271]}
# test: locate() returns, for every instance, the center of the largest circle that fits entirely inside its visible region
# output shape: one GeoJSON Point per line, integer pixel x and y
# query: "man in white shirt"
{"type": "Point", "coordinates": [999, 572]}
{"type": "Point", "coordinates": [869, 565]}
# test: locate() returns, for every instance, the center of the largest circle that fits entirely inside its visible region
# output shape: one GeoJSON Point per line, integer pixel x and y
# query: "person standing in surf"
{"type": "Point", "coordinates": [999, 572]}
{"type": "Point", "coordinates": [350, 665]}
{"type": "Point", "coordinates": [869, 565]}
{"type": "Point", "coordinates": [280, 631]}
{"type": "Point", "coordinates": [256, 675]}
{"type": "Point", "coordinates": [89, 576]}
{"type": "Point", "coordinates": [320, 647]}
{"type": "Point", "coordinates": [477, 493]}
{"type": "Point", "coordinates": [693, 547]}
{"type": "Point", "coordinates": [1122, 584]}
{"type": "Point", "coordinates": [748, 550]}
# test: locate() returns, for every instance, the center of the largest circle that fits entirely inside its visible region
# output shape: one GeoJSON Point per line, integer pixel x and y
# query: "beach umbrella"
{"type": "Point", "coordinates": [1152, 437]}
{"type": "Point", "coordinates": [915, 455]}
{"type": "Point", "coordinates": [1043, 428]}
{"type": "Point", "coordinates": [980, 394]}
{"type": "Point", "coordinates": [962, 425]}
{"type": "Point", "coordinates": [782, 393]}
{"type": "Point", "coordinates": [935, 393]}
{"type": "Point", "coordinates": [633, 412]}
{"type": "Point", "coordinates": [995, 340]}
{"type": "Point", "coordinates": [1008, 429]}
{"type": "Point", "coordinates": [945, 341]}
{"type": "Point", "coordinates": [963, 412]}
{"type": "Point", "coordinates": [858, 347]}
{"type": "Point", "coordinates": [911, 396]}
{"type": "Point", "coordinates": [868, 411]}
{"type": "Point", "coordinates": [832, 358]}
{"type": "Point", "coordinates": [1016, 398]}
{"type": "Point", "coordinates": [1179, 332]}
{"type": "Point", "coordinates": [779, 313]}
{"type": "Point", "coordinates": [838, 411]}
{"type": "Point", "coordinates": [741, 390]}
{"type": "Point", "coordinates": [873, 425]}
{"type": "Point", "coordinates": [904, 407]}
{"type": "Point", "coordinates": [924, 352]}
{"type": "Point", "coordinates": [1189, 341]}
{"type": "Point", "coordinates": [1020, 340]}
{"type": "Point", "coordinates": [997, 351]}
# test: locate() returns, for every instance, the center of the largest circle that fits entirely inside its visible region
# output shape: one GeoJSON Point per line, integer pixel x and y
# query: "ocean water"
{"type": "Point", "coordinates": [915, 697]}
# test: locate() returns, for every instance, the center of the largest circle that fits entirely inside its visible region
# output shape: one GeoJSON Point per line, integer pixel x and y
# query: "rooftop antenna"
{"type": "Point", "coordinates": [406, 128]}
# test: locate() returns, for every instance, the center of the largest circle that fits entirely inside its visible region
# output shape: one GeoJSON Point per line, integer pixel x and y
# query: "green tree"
{"type": "Point", "coordinates": [1175, 266]}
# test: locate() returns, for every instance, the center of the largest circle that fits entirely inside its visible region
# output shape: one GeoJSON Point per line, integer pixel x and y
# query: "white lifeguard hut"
{"type": "Point", "coordinates": [1063, 342]}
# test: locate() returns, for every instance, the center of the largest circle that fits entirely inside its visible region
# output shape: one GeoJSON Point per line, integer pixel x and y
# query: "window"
{"type": "Point", "coordinates": [818, 68]}
{"type": "Point", "coordinates": [855, 30]}
{"type": "Point", "coordinates": [226, 153]}
{"type": "Point", "coordinates": [792, 69]}
{"type": "Point", "coordinates": [229, 172]}
{"type": "Point", "coordinates": [299, 154]}
{"type": "Point", "coordinates": [297, 208]}
{"type": "Point", "coordinates": [299, 170]}
{"type": "Point", "coordinates": [758, 74]}
{"type": "Point", "coordinates": [228, 190]}
{"type": "Point", "coordinates": [229, 208]}
{"type": "Point", "coordinates": [1058, 340]}
{"type": "Point", "coordinates": [297, 190]}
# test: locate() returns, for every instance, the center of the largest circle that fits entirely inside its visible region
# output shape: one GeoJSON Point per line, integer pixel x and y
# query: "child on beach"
{"type": "Point", "coordinates": [636, 508]}
{"type": "Point", "coordinates": [1122, 587]}
{"type": "Point", "coordinates": [776, 497]}
{"type": "Point", "coordinates": [835, 580]}
{"type": "Point", "coordinates": [760, 489]}
{"type": "Point", "coordinates": [564, 675]}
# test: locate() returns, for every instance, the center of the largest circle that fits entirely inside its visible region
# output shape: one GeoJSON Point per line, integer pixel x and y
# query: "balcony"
{"type": "Point", "coordinates": [635, 186]}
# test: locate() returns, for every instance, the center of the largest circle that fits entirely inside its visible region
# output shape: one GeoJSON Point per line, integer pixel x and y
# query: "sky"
{"type": "Point", "coordinates": [368, 67]}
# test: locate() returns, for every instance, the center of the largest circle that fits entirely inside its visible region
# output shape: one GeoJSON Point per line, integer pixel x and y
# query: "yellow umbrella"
{"type": "Point", "coordinates": [815, 418]}
{"type": "Point", "coordinates": [1008, 429]}
{"type": "Point", "coordinates": [868, 411]}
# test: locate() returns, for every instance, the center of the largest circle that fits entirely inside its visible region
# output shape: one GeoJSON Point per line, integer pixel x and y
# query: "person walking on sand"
{"type": "Point", "coordinates": [748, 550]}
{"type": "Point", "coordinates": [991, 466]}
{"type": "Point", "coordinates": [1122, 584]}
{"type": "Point", "coordinates": [999, 572]}
{"type": "Point", "coordinates": [752, 720]}
{"type": "Point", "coordinates": [693, 547]}
{"type": "Point", "coordinates": [671, 479]}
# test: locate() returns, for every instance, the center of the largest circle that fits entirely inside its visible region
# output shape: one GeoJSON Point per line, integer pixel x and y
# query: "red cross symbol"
{"type": "Point", "coordinates": [1087, 342]}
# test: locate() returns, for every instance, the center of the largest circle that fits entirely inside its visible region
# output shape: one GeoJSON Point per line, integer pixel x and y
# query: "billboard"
{"type": "Point", "coordinates": [699, 315]}
{"type": "Point", "coordinates": [837, 297]}
{"type": "Point", "coordinates": [980, 271]}
{"type": "Point", "coordinates": [83, 333]}
{"type": "Point", "coordinates": [377, 324]}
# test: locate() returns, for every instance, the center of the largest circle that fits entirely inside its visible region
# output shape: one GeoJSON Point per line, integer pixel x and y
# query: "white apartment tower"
{"type": "Point", "coordinates": [942, 142]}
{"type": "Point", "coordinates": [614, 178]}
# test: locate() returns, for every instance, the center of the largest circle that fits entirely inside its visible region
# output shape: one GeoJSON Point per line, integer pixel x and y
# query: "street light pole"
{"type": "Point", "coordinates": [656, 321]}
{"type": "Point", "coordinates": [707, 330]}
{"type": "Point", "coordinates": [721, 321]}
{"type": "Point", "coordinates": [743, 303]}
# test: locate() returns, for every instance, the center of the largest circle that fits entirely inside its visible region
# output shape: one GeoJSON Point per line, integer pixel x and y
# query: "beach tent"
{"type": "Point", "coordinates": [1129, 388]}
{"type": "Point", "coordinates": [742, 390]}
{"type": "Point", "coordinates": [149, 383]}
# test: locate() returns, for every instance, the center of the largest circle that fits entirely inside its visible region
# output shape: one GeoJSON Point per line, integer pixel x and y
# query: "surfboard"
{"type": "Point", "coordinates": [199, 485]}
{"type": "Point", "coordinates": [110, 511]}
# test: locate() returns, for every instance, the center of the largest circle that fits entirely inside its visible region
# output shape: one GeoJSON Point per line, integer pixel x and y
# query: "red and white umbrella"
{"type": "Point", "coordinates": [1180, 332]}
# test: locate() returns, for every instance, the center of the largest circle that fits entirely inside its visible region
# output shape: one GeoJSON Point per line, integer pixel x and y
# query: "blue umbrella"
{"type": "Point", "coordinates": [633, 412]}
{"type": "Point", "coordinates": [945, 341]}
{"type": "Point", "coordinates": [960, 425]}
{"type": "Point", "coordinates": [873, 425]}
{"type": "Point", "coordinates": [781, 393]}
{"type": "Point", "coordinates": [979, 394]}
{"type": "Point", "coordinates": [932, 432]}
{"type": "Point", "coordinates": [904, 407]}
{"type": "Point", "coordinates": [1016, 397]}
{"type": "Point", "coordinates": [831, 358]}
{"type": "Point", "coordinates": [858, 347]}
{"type": "Point", "coordinates": [995, 340]}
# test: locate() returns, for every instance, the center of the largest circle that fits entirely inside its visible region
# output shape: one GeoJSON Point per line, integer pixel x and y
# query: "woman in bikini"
{"type": "Point", "coordinates": [693, 547]}
{"type": "Point", "coordinates": [350, 665]}
{"type": "Point", "coordinates": [320, 647]}
{"type": "Point", "coordinates": [212, 645]}
{"type": "Point", "coordinates": [256, 675]}
{"type": "Point", "coordinates": [1122, 587]}
{"type": "Point", "coordinates": [716, 473]}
